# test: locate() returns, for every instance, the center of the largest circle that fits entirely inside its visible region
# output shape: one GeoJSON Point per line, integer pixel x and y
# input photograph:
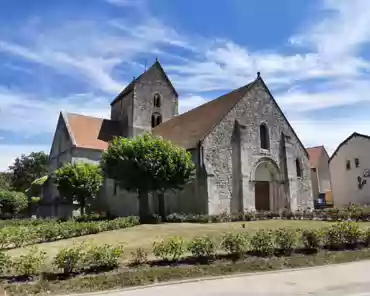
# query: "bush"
{"type": "Point", "coordinates": [4, 262]}
{"type": "Point", "coordinates": [70, 259]}
{"type": "Point", "coordinates": [31, 263]}
{"type": "Point", "coordinates": [366, 237]}
{"type": "Point", "coordinates": [171, 249]}
{"type": "Point", "coordinates": [12, 203]}
{"type": "Point", "coordinates": [342, 235]}
{"type": "Point", "coordinates": [311, 239]}
{"type": "Point", "coordinates": [202, 246]}
{"type": "Point", "coordinates": [285, 240]}
{"type": "Point", "coordinates": [140, 256]}
{"type": "Point", "coordinates": [103, 257]}
{"type": "Point", "coordinates": [235, 243]}
{"type": "Point", "coordinates": [262, 242]}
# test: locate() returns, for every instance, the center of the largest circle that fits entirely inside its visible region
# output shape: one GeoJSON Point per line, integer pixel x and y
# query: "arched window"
{"type": "Point", "coordinates": [298, 167]}
{"type": "Point", "coordinates": [157, 100]}
{"type": "Point", "coordinates": [264, 136]}
{"type": "Point", "coordinates": [156, 119]}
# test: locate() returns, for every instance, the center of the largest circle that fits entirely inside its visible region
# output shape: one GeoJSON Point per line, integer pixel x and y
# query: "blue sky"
{"type": "Point", "coordinates": [76, 55]}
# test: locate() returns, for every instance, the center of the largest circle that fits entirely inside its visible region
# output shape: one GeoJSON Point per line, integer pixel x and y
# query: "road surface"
{"type": "Point", "coordinates": [352, 279]}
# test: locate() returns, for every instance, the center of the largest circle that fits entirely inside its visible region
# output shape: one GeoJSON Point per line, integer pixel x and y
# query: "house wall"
{"type": "Point", "coordinates": [122, 111]}
{"type": "Point", "coordinates": [256, 107]}
{"type": "Point", "coordinates": [315, 183]}
{"type": "Point", "coordinates": [152, 82]}
{"type": "Point", "coordinates": [323, 172]}
{"type": "Point", "coordinates": [344, 182]}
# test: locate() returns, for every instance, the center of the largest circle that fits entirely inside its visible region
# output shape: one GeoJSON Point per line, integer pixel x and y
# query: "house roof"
{"type": "Point", "coordinates": [91, 132]}
{"type": "Point", "coordinates": [314, 154]}
{"type": "Point", "coordinates": [130, 87]}
{"type": "Point", "coordinates": [188, 128]}
{"type": "Point", "coordinates": [346, 140]}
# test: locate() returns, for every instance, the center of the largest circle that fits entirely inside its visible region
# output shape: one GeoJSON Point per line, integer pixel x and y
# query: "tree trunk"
{"type": "Point", "coordinates": [143, 206]}
{"type": "Point", "coordinates": [161, 205]}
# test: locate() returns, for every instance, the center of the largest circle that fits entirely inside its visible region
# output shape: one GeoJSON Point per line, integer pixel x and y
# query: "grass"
{"type": "Point", "coordinates": [144, 235]}
{"type": "Point", "coordinates": [142, 276]}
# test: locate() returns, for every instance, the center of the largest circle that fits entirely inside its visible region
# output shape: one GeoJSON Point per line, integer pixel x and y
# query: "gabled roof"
{"type": "Point", "coordinates": [131, 86]}
{"type": "Point", "coordinates": [187, 129]}
{"type": "Point", "coordinates": [354, 135]}
{"type": "Point", "coordinates": [314, 154]}
{"type": "Point", "coordinates": [90, 132]}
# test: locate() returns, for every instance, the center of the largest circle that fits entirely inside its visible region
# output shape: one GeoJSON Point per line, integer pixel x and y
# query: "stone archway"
{"type": "Point", "coordinates": [266, 179]}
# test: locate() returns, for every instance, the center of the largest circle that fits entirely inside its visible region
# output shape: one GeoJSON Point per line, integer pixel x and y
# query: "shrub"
{"type": "Point", "coordinates": [171, 249]}
{"type": "Point", "coordinates": [234, 243]}
{"type": "Point", "coordinates": [70, 259]}
{"type": "Point", "coordinates": [202, 246]}
{"type": "Point", "coordinates": [139, 256]}
{"type": "Point", "coordinates": [285, 240]}
{"type": "Point", "coordinates": [4, 262]}
{"type": "Point", "coordinates": [366, 237]}
{"type": "Point", "coordinates": [12, 202]}
{"type": "Point", "coordinates": [343, 234]}
{"type": "Point", "coordinates": [31, 263]}
{"type": "Point", "coordinates": [311, 239]}
{"type": "Point", "coordinates": [103, 256]}
{"type": "Point", "coordinates": [262, 242]}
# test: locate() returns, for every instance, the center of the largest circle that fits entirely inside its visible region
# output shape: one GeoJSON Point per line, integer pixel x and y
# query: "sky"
{"type": "Point", "coordinates": [76, 56]}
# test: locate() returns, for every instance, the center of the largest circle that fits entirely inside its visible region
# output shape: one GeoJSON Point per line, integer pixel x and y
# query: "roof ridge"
{"type": "Point", "coordinates": [354, 134]}
{"type": "Point", "coordinates": [79, 114]}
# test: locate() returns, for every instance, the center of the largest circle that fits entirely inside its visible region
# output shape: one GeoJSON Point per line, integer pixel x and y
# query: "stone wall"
{"type": "Point", "coordinates": [255, 108]}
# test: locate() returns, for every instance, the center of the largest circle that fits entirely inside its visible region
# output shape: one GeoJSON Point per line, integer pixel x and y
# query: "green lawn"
{"type": "Point", "coordinates": [144, 235]}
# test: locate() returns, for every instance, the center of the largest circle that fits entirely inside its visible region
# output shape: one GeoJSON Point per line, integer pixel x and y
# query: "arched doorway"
{"type": "Point", "coordinates": [266, 185]}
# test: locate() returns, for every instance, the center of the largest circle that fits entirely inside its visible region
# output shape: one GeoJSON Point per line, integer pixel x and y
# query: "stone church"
{"type": "Point", "coordinates": [247, 155]}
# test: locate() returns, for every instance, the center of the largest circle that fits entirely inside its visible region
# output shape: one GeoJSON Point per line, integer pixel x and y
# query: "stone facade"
{"type": "Point", "coordinates": [233, 171]}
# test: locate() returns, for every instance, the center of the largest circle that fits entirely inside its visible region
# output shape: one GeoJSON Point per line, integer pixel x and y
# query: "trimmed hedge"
{"type": "Point", "coordinates": [19, 236]}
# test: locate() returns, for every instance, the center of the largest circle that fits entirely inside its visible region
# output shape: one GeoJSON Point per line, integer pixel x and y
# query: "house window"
{"type": "Point", "coordinates": [264, 136]}
{"type": "Point", "coordinates": [157, 100]}
{"type": "Point", "coordinates": [314, 170]}
{"type": "Point", "coordinates": [298, 167]}
{"type": "Point", "coordinates": [357, 162]}
{"type": "Point", "coordinates": [156, 119]}
{"type": "Point", "coordinates": [348, 165]}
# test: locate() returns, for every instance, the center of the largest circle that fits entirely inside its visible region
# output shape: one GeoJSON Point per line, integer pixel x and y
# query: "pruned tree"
{"type": "Point", "coordinates": [12, 203]}
{"type": "Point", "coordinates": [147, 164]}
{"type": "Point", "coordinates": [79, 182]}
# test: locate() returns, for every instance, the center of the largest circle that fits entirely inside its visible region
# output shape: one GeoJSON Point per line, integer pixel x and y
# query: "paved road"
{"type": "Point", "coordinates": [351, 279]}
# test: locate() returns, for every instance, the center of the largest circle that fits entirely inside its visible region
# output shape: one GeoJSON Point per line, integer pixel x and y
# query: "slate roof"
{"type": "Point", "coordinates": [91, 132]}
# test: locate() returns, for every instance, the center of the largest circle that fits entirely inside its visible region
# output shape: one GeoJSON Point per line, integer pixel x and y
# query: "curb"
{"type": "Point", "coordinates": [209, 278]}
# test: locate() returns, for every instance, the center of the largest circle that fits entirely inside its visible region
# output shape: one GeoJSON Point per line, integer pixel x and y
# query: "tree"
{"type": "Point", "coordinates": [5, 181]}
{"type": "Point", "coordinates": [79, 182]}
{"type": "Point", "coordinates": [12, 202]}
{"type": "Point", "coordinates": [27, 168]}
{"type": "Point", "coordinates": [147, 164]}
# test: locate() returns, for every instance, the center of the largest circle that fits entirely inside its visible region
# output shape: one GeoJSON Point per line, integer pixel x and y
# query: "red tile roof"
{"type": "Point", "coordinates": [314, 154]}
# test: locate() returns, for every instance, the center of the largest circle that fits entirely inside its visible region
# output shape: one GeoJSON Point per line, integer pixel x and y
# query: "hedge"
{"type": "Point", "coordinates": [19, 236]}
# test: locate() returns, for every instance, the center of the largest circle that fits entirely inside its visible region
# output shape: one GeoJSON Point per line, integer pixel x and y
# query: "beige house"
{"type": "Point", "coordinates": [320, 173]}
{"type": "Point", "coordinates": [350, 171]}
{"type": "Point", "coordinates": [247, 155]}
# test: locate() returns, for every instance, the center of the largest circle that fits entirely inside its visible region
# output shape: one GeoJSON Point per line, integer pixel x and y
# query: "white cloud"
{"type": "Point", "coordinates": [190, 102]}
{"type": "Point", "coordinates": [9, 152]}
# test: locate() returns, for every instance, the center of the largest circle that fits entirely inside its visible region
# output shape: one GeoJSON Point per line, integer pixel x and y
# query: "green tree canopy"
{"type": "Point", "coordinates": [27, 168]}
{"type": "Point", "coordinates": [146, 164]}
{"type": "Point", "coordinates": [12, 202]}
{"type": "Point", "coordinates": [35, 188]}
{"type": "Point", "coordinates": [5, 181]}
{"type": "Point", "coordinates": [79, 182]}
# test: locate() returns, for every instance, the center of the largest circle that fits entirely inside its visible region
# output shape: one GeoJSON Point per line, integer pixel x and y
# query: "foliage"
{"type": "Point", "coordinates": [70, 259]}
{"type": "Point", "coordinates": [5, 181]}
{"type": "Point", "coordinates": [27, 168]}
{"type": "Point", "coordinates": [343, 234]}
{"type": "Point", "coordinates": [29, 264]}
{"type": "Point", "coordinates": [262, 242]}
{"type": "Point", "coordinates": [139, 256]}
{"type": "Point", "coordinates": [79, 182]}
{"type": "Point", "coordinates": [285, 240]}
{"type": "Point", "coordinates": [103, 256]}
{"type": "Point", "coordinates": [4, 262]}
{"type": "Point", "coordinates": [12, 202]}
{"type": "Point", "coordinates": [153, 164]}
{"type": "Point", "coordinates": [170, 249]}
{"type": "Point", "coordinates": [235, 243]}
{"type": "Point", "coordinates": [311, 238]}
{"type": "Point", "coordinates": [202, 246]}
{"type": "Point", "coordinates": [35, 188]}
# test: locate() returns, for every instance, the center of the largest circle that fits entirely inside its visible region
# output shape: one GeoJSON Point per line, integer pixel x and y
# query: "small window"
{"type": "Point", "coordinates": [357, 162]}
{"type": "Point", "coordinates": [298, 167]}
{"type": "Point", "coordinates": [159, 120]}
{"type": "Point", "coordinates": [314, 170]}
{"type": "Point", "coordinates": [157, 100]}
{"type": "Point", "coordinates": [348, 165]}
{"type": "Point", "coordinates": [115, 188]}
{"type": "Point", "coordinates": [264, 137]}
{"type": "Point", "coordinates": [156, 119]}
